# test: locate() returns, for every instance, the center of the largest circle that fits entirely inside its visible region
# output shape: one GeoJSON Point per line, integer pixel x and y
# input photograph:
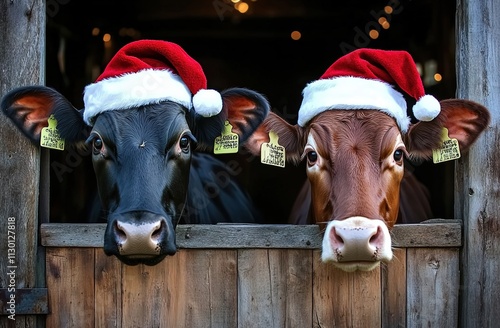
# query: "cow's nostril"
{"type": "Point", "coordinates": [121, 235]}
{"type": "Point", "coordinates": [375, 238]}
{"type": "Point", "coordinates": [336, 239]}
{"type": "Point", "coordinates": [157, 230]}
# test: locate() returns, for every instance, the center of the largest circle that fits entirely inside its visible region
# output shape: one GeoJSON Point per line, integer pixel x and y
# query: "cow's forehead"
{"type": "Point", "coordinates": [340, 131]}
{"type": "Point", "coordinates": [160, 120]}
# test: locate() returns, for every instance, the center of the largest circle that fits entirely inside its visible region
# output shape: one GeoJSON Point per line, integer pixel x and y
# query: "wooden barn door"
{"type": "Point", "coordinates": [22, 62]}
{"type": "Point", "coordinates": [478, 173]}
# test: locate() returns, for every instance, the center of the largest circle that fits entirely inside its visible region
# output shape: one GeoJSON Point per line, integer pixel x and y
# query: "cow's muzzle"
{"type": "Point", "coordinates": [139, 237]}
{"type": "Point", "coordinates": [356, 243]}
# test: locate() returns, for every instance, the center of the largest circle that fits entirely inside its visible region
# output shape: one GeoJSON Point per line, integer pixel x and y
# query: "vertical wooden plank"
{"type": "Point", "coordinates": [394, 290]}
{"type": "Point", "coordinates": [255, 302]}
{"type": "Point", "coordinates": [211, 290]}
{"type": "Point", "coordinates": [194, 288]}
{"type": "Point", "coordinates": [22, 40]}
{"type": "Point", "coordinates": [274, 288]}
{"type": "Point", "coordinates": [70, 281]}
{"type": "Point", "coordinates": [293, 274]}
{"type": "Point", "coordinates": [146, 292]}
{"type": "Point", "coordinates": [433, 285]}
{"type": "Point", "coordinates": [345, 299]}
{"type": "Point", "coordinates": [478, 64]}
{"type": "Point", "coordinates": [108, 292]}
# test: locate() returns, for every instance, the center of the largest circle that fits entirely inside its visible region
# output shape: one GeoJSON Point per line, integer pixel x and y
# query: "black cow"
{"type": "Point", "coordinates": [145, 166]}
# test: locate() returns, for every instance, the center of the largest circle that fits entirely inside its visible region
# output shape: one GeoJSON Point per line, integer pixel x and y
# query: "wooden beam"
{"type": "Point", "coordinates": [477, 172]}
{"type": "Point", "coordinates": [443, 233]}
{"type": "Point", "coordinates": [22, 62]}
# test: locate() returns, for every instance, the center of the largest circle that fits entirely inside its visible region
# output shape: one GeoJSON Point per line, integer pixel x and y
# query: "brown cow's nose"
{"type": "Point", "coordinates": [138, 240]}
{"type": "Point", "coordinates": [356, 244]}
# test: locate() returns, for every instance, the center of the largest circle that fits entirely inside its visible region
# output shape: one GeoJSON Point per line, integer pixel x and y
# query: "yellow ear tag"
{"type": "Point", "coordinates": [49, 138]}
{"type": "Point", "coordinates": [227, 142]}
{"type": "Point", "coordinates": [448, 151]}
{"type": "Point", "coordinates": [271, 153]}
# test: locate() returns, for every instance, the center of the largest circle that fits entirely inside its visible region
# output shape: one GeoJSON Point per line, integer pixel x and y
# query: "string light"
{"type": "Point", "coordinates": [373, 34]}
{"type": "Point", "coordinates": [295, 35]}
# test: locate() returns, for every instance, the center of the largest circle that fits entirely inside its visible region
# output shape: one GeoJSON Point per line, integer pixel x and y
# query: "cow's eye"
{"type": "Point", "coordinates": [97, 145]}
{"type": "Point", "coordinates": [312, 157]}
{"type": "Point", "coordinates": [398, 155]}
{"type": "Point", "coordinates": [184, 143]}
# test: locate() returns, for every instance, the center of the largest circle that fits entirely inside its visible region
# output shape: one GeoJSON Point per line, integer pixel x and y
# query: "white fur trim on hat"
{"type": "Point", "coordinates": [352, 93]}
{"type": "Point", "coordinates": [426, 108]}
{"type": "Point", "coordinates": [132, 90]}
{"type": "Point", "coordinates": [207, 102]}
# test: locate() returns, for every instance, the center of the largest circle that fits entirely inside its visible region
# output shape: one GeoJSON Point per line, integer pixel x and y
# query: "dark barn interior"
{"type": "Point", "coordinates": [274, 47]}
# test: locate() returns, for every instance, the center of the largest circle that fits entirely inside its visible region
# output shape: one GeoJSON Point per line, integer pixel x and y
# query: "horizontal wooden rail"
{"type": "Point", "coordinates": [432, 233]}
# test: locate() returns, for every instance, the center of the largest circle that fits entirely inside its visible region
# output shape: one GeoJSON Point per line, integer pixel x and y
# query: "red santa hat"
{"type": "Point", "coordinates": [364, 79]}
{"type": "Point", "coordinates": [147, 72]}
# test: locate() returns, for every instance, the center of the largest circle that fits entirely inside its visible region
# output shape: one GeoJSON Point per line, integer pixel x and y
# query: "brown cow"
{"type": "Point", "coordinates": [354, 133]}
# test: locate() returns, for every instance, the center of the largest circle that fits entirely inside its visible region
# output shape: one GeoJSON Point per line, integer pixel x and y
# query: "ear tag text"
{"type": "Point", "coordinates": [50, 138]}
{"type": "Point", "coordinates": [227, 142]}
{"type": "Point", "coordinates": [448, 151]}
{"type": "Point", "coordinates": [271, 153]}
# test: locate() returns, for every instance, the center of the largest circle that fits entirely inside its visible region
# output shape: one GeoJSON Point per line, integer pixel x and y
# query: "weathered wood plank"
{"type": "Point", "coordinates": [108, 290]}
{"type": "Point", "coordinates": [147, 295]}
{"type": "Point", "coordinates": [393, 277]}
{"type": "Point", "coordinates": [274, 288]}
{"type": "Point", "coordinates": [433, 285]}
{"type": "Point", "coordinates": [70, 280]}
{"type": "Point", "coordinates": [477, 173]}
{"type": "Point", "coordinates": [210, 296]}
{"type": "Point", "coordinates": [444, 233]}
{"type": "Point", "coordinates": [344, 299]}
{"type": "Point", "coordinates": [191, 289]}
{"type": "Point", "coordinates": [255, 289]}
{"type": "Point", "coordinates": [22, 45]}
{"type": "Point", "coordinates": [251, 288]}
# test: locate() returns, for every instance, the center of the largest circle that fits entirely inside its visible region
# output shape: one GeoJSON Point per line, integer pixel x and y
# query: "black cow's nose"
{"type": "Point", "coordinates": [139, 237]}
{"type": "Point", "coordinates": [138, 240]}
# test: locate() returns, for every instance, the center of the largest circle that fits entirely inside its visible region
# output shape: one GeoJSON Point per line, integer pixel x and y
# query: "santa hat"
{"type": "Point", "coordinates": [147, 72]}
{"type": "Point", "coordinates": [364, 79]}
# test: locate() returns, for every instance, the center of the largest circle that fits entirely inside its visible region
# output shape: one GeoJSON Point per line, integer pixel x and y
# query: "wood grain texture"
{"type": "Point", "coordinates": [433, 287]}
{"type": "Point", "coordinates": [477, 172]}
{"type": "Point", "coordinates": [275, 288]}
{"type": "Point", "coordinates": [394, 288]}
{"type": "Point", "coordinates": [70, 279]}
{"type": "Point", "coordinates": [108, 290]}
{"type": "Point", "coordinates": [22, 49]}
{"type": "Point", "coordinates": [251, 288]}
{"type": "Point", "coordinates": [344, 299]}
{"type": "Point", "coordinates": [443, 233]}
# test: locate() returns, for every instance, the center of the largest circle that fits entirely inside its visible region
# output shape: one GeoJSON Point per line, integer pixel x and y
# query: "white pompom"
{"type": "Point", "coordinates": [427, 108]}
{"type": "Point", "coordinates": [207, 102]}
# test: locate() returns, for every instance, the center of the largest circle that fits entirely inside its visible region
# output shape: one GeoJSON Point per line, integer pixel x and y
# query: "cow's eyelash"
{"type": "Point", "coordinates": [92, 137]}
{"type": "Point", "coordinates": [306, 150]}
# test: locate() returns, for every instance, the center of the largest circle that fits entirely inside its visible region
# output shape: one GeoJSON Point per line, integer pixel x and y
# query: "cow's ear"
{"type": "Point", "coordinates": [244, 109]}
{"type": "Point", "coordinates": [30, 108]}
{"type": "Point", "coordinates": [464, 119]}
{"type": "Point", "coordinates": [289, 136]}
